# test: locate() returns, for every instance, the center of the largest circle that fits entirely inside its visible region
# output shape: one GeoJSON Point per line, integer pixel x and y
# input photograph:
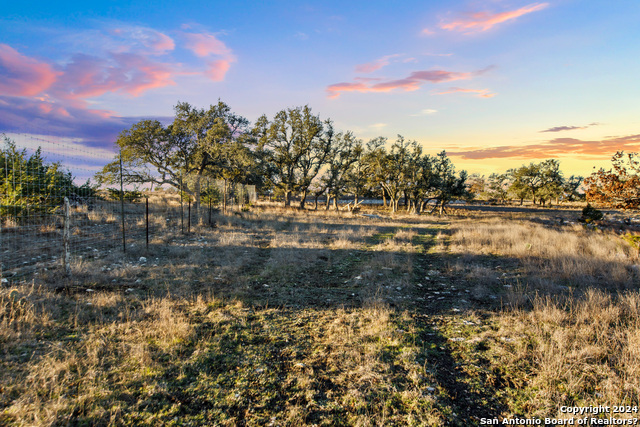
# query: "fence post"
{"type": "Point", "coordinates": [66, 235]}
{"type": "Point", "coordinates": [181, 207]}
{"type": "Point", "coordinates": [124, 241]}
{"type": "Point", "coordinates": [147, 218]}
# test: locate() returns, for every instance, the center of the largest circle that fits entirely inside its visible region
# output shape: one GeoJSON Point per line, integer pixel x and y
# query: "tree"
{"type": "Point", "coordinates": [551, 180]}
{"type": "Point", "coordinates": [525, 181]}
{"type": "Point", "coordinates": [195, 144]}
{"type": "Point", "coordinates": [446, 184]}
{"type": "Point", "coordinates": [374, 164]}
{"type": "Point", "coordinates": [539, 180]}
{"type": "Point", "coordinates": [344, 153]}
{"type": "Point", "coordinates": [571, 187]}
{"type": "Point", "coordinates": [498, 187]}
{"type": "Point", "coordinates": [293, 146]}
{"type": "Point", "coordinates": [477, 185]}
{"type": "Point", "coordinates": [618, 187]}
{"type": "Point", "coordinates": [391, 169]}
{"type": "Point", "coordinates": [28, 185]}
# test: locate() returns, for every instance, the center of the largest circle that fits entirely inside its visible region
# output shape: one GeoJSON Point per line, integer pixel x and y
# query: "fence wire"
{"type": "Point", "coordinates": [39, 175]}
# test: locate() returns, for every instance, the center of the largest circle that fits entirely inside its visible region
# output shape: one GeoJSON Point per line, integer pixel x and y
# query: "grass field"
{"type": "Point", "coordinates": [321, 318]}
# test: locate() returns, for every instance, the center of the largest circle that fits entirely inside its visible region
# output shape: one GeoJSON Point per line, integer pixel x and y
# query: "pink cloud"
{"type": "Point", "coordinates": [410, 83]}
{"type": "Point", "coordinates": [143, 40]}
{"type": "Point", "coordinates": [89, 76]}
{"type": "Point", "coordinates": [483, 93]}
{"type": "Point", "coordinates": [23, 76]}
{"type": "Point", "coordinates": [205, 44]}
{"type": "Point", "coordinates": [218, 69]}
{"type": "Point", "coordinates": [483, 21]}
{"type": "Point", "coordinates": [555, 148]}
{"type": "Point", "coordinates": [372, 66]}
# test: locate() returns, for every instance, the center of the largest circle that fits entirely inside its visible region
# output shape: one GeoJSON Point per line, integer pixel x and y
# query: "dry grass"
{"type": "Point", "coordinates": [572, 256]}
{"type": "Point", "coordinates": [573, 352]}
{"type": "Point", "coordinates": [322, 318]}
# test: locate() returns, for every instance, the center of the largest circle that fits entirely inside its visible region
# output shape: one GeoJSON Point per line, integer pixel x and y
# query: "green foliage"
{"type": "Point", "coordinates": [211, 195]}
{"type": "Point", "coordinates": [634, 241]}
{"type": "Point", "coordinates": [590, 214]}
{"type": "Point", "coordinates": [209, 142]}
{"type": "Point", "coordinates": [29, 186]}
{"type": "Point", "coordinates": [131, 196]}
{"type": "Point", "coordinates": [540, 181]}
{"type": "Point", "coordinates": [498, 187]}
{"type": "Point", "coordinates": [293, 147]}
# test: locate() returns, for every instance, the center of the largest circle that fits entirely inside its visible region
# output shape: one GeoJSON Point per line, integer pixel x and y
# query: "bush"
{"type": "Point", "coordinates": [590, 214]}
{"type": "Point", "coordinates": [29, 186]}
{"type": "Point", "coordinates": [131, 196]}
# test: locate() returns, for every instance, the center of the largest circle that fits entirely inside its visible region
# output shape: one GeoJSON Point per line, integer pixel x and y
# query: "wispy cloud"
{"type": "Point", "coordinates": [483, 21]}
{"type": "Point", "coordinates": [563, 128]}
{"type": "Point", "coordinates": [89, 76]}
{"type": "Point", "coordinates": [23, 76]}
{"type": "Point", "coordinates": [558, 147]}
{"type": "Point", "coordinates": [410, 83]}
{"type": "Point", "coordinates": [142, 40]}
{"type": "Point", "coordinates": [372, 66]}
{"type": "Point", "coordinates": [206, 45]}
{"type": "Point", "coordinates": [482, 93]}
{"type": "Point", "coordinates": [426, 112]}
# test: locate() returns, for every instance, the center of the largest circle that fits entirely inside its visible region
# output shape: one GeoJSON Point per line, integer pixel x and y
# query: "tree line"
{"type": "Point", "coordinates": [295, 153]}
{"type": "Point", "coordinates": [539, 182]}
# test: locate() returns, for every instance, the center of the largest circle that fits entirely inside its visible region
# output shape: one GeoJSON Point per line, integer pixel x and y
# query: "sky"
{"type": "Point", "coordinates": [495, 83]}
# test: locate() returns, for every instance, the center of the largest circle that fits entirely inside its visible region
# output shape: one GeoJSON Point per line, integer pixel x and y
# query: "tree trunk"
{"type": "Point", "coordinates": [198, 192]}
{"type": "Point", "coordinates": [417, 205]}
{"type": "Point", "coordinates": [315, 204]}
{"type": "Point", "coordinates": [441, 207]}
{"type": "Point", "coordinates": [335, 201]}
{"type": "Point", "coordinates": [303, 199]}
{"type": "Point", "coordinates": [224, 197]}
{"type": "Point", "coordinates": [384, 199]}
{"type": "Point", "coordinates": [287, 198]}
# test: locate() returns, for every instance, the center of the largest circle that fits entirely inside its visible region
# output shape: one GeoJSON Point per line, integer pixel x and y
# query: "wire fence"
{"type": "Point", "coordinates": [47, 217]}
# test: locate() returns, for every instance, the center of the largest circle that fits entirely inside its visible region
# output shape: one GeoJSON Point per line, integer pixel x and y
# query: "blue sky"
{"type": "Point", "coordinates": [496, 83]}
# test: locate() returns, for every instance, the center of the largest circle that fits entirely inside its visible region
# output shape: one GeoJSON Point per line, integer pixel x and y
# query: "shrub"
{"type": "Point", "coordinates": [590, 214]}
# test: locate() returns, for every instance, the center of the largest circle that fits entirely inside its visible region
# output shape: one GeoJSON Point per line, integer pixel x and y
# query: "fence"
{"type": "Point", "coordinates": [47, 217]}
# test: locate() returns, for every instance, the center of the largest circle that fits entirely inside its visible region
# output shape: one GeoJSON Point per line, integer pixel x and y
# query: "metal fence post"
{"type": "Point", "coordinates": [66, 237]}
{"type": "Point", "coordinates": [147, 218]}
{"type": "Point", "coordinates": [124, 241]}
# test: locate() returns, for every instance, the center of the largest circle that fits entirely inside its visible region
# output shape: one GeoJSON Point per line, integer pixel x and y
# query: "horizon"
{"type": "Point", "coordinates": [496, 84]}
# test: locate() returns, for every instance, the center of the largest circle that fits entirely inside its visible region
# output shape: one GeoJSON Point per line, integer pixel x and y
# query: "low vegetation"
{"type": "Point", "coordinates": [280, 317]}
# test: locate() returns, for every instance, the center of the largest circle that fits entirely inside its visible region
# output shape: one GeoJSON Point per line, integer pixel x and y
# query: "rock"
{"type": "Point", "coordinates": [142, 260]}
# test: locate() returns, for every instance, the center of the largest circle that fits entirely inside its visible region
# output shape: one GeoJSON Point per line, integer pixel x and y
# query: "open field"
{"type": "Point", "coordinates": [321, 318]}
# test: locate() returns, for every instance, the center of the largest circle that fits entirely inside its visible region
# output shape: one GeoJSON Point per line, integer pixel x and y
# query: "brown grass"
{"type": "Point", "coordinates": [322, 318]}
